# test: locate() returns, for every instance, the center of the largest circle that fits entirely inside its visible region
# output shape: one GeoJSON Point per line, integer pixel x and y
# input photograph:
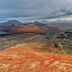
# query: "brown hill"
{"type": "Point", "coordinates": [26, 28]}
{"type": "Point", "coordinates": [33, 28]}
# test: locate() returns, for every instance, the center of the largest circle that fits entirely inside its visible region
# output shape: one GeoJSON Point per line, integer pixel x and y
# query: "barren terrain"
{"type": "Point", "coordinates": [34, 52]}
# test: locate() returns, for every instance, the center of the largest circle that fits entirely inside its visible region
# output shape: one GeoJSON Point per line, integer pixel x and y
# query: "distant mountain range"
{"type": "Point", "coordinates": [4, 26]}
{"type": "Point", "coordinates": [10, 22]}
{"type": "Point", "coordinates": [7, 26]}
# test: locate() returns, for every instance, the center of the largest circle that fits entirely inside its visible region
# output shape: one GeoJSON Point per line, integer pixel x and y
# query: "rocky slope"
{"type": "Point", "coordinates": [16, 59]}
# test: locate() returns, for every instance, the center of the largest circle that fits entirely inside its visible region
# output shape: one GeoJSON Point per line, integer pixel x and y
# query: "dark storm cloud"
{"type": "Point", "coordinates": [22, 8]}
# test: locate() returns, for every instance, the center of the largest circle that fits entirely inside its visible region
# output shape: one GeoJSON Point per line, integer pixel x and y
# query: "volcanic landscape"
{"type": "Point", "coordinates": [36, 48]}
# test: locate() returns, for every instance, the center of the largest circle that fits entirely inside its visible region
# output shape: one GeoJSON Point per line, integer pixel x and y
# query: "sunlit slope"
{"type": "Point", "coordinates": [26, 28]}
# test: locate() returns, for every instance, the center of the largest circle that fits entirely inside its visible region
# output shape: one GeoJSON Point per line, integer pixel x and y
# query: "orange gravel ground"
{"type": "Point", "coordinates": [29, 60]}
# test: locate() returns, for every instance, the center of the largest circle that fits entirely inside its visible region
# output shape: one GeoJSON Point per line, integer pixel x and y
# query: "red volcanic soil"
{"type": "Point", "coordinates": [29, 60]}
{"type": "Point", "coordinates": [32, 28]}
{"type": "Point", "coordinates": [26, 28]}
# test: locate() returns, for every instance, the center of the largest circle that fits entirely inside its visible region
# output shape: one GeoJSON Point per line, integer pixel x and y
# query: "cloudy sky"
{"type": "Point", "coordinates": [34, 8]}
